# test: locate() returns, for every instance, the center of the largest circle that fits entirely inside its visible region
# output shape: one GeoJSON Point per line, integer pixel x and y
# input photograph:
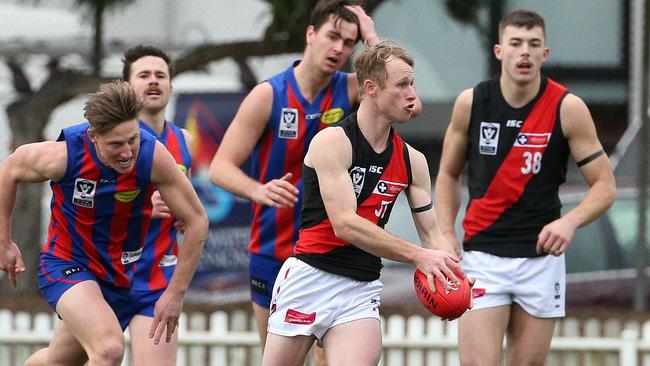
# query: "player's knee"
{"type": "Point", "coordinates": [109, 352]}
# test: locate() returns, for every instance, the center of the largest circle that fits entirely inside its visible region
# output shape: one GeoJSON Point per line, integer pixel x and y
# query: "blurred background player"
{"type": "Point", "coordinates": [148, 70]}
{"type": "Point", "coordinates": [353, 173]}
{"type": "Point", "coordinates": [103, 174]}
{"type": "Point", "coordinates": [516, 132]}
{"type": "Point", "coordinates": [275, 124]}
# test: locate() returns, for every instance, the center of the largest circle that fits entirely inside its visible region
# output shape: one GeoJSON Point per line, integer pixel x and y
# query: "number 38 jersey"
{"type": "Point", "coordinates": [377, 180]}
{"type": "Point", "coordinates": [517, 159]}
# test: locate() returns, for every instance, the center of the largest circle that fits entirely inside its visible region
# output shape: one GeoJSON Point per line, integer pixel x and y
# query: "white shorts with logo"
{"type": "Point", "coordinates": [538, 284]}
{"type": "Point", "coordinates": [309, 301]}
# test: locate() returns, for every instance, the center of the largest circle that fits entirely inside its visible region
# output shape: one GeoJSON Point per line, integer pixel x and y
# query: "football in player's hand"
{"type": "Point", "coordinates": [448, 303]}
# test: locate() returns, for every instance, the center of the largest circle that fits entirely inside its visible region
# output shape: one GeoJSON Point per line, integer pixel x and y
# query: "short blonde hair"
{"type": "Point", "coordinates": [113, 104]}
{"type": "Point", "coordinates": [371, 63]}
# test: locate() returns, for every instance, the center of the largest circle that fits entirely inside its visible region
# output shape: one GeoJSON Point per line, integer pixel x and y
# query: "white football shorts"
{"type": "Point", "coordinates": [537, 284]}
{"type": "Point", "coordinates": [309, 301]}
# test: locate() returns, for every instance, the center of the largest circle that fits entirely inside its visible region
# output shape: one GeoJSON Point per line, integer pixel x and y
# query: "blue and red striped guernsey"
{"type": "Point", "coordinates": [281, 149]}
{"type": "Point", "coordinates": [99, 217]}
{"type": "Point", "coordinates": [160, 254]}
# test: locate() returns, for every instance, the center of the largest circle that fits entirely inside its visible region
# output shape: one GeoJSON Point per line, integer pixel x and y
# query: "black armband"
{"type": "Point", "coordinates": [423, 208]}
{"type": "Point", "coordinates": [590, 158]}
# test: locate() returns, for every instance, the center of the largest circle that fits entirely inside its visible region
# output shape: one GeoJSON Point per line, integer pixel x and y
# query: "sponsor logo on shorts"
{"type": "Point", "coordinates": [489, 138]}
{"type": "Point", "coordinates": [260, 286]}
{"type": "Point", "coordinates": [72, 270]}
{"type": "Point", "coordinates": [127, 196]}
{"type": "Point", "coordinates": [535, 140]}
{"type": "Point", "coordinates": [357, 175]}
{"type": "Point", "coordinates": [478, 292]}
{"type": "Point", "coordinates": [557, 291]}
{"type": "Point", "coordinates": [296, 317]}
{"type": "Point", "coordinates": [168, 260]}
{"type": "Point", "coordinates": [288, 124]}
{"type": "Point", "coordinates": [332, 116]}
{"type": "Point", "coordinates": [84, 192]}
{"type": "Point", "coordinates": [130, 257]}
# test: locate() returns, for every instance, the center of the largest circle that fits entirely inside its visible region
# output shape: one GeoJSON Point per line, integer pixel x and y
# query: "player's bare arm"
{"type": "Point", "coordinates": [366, 25]}
{"type": "Point", "coordinates": [330, 154]}
{"type": "Point", "coordinates": [32, 163]}
{"type": "Point", "coordinates": [448, 183]}
{"type": "Point", "coordinates": [419, 197]}
{"type": "Point", "coordinates": [238, 143]}
{"type": "Point", "coordinates": [177, 191]}
{"type": "Point", "coordinates": [580, 132]}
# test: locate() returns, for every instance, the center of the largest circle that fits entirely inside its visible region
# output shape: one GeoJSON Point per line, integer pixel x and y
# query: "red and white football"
{"type": "Point", "coordinates": [448, 304]}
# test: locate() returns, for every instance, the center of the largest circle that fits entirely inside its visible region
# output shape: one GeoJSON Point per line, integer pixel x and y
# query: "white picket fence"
{"type": "Point", "coordinates": [224, 338]}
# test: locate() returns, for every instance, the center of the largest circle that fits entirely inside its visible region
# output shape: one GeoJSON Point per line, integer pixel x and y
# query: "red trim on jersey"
{"type": "Point", "coordinates": [119, 227]}
{"type": "Point", "coordinates": [284, 217]}
{"type": "Point", "coordinates": [58, 236]}
{"type": "Point", "coordinates": [173, 146]}
{"type": "Point", "coordinates": [265, 153]}
{"type": "Point", "coordinates": [509, 182]}
{"type": "Point", "coordinates": [85, 217]}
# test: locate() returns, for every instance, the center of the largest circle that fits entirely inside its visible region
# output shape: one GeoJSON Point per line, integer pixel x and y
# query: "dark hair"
{"type": "Point", "coordinates": [522, 18]}
{"type": "Point", "coordinates": [113, 104]}
{"type": "Point", "coordinates": [133, 54]}
{"type": "Point", "coordinates": [371, 63]}
{"type": "Point", "coordinates": [322, 11]}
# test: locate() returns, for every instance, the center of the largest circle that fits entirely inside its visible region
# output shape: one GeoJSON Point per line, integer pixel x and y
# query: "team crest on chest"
{"type": "Point", "coordinates": [357, 175]}
{"type": "Point", "coordinates": [84, 192]}
{"type": "Point", "coordinates": [288, 124]}
{"type": "Point", "coordinates": [489, 138]}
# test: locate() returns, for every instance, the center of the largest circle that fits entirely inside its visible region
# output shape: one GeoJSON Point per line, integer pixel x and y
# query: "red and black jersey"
{"type": "Point", "coordinates": [377, 178]}
{"type": "Point", "coordinates": [517, 159]}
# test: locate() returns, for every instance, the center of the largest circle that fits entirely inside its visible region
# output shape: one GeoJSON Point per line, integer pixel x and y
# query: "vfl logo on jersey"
{"type": "Point", "coordinates": [126, 196]}
{"type": "Point", "coordinates": [357, 175]}
{"type": "Point", "coordinates": [489, 139]}
{"type": "Point", "coordinates": [84, 192]}
{"type": "Point", "coordinates": [130, 257]}
{"type": "Point", "coordinates": [332, 116]}
{"type": "Point", "coordinates": [534, 140]}
{"type": "Point", "coordinates": [288, 124]}
{"type": "Point", "coordinates": [390, 189]}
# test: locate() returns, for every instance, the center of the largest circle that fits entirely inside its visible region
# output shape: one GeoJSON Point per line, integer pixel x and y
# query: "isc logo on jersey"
{"type": "Point", "coordinates": [84, 192]}
{"type": "Point", "coordinates": [390, 189]}
{"type": "Point", "coordinates": [288, 124]}
{"type": "Point", "coordinates": [357, 176]}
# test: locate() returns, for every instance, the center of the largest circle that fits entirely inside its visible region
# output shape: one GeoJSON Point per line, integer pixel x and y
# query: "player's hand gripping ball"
{"type": "Point", "coordinates": [449, 303]}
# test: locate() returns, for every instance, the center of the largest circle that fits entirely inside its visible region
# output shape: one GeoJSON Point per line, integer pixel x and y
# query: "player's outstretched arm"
{"type": "Point", "coordinates": [420, 201]}
{"type": "Point", "coordinates": [330, 154]}
{"type": "Point", "coordinates": [447, 189]}
{"type": "Point", "coordinates": [32, 163]}
{"type": "Point", "coordinates": [241, 137]}
{"type": "Point", "coordinates": [579, 129]}
{"type": "Point", "coordinates": [177, 192]}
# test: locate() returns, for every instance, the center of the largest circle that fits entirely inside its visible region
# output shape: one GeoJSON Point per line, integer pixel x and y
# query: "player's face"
{"type": "Point", "coordinates": [151, 81]}
{"type": "Point", "coordinates": [396, 99]}
{"type": "Point", "coordinates": [118, 148]}
{"type": "Point", "coordinates": [333, 43]}
{"type": "Point", "coordinates": [521, 52]}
